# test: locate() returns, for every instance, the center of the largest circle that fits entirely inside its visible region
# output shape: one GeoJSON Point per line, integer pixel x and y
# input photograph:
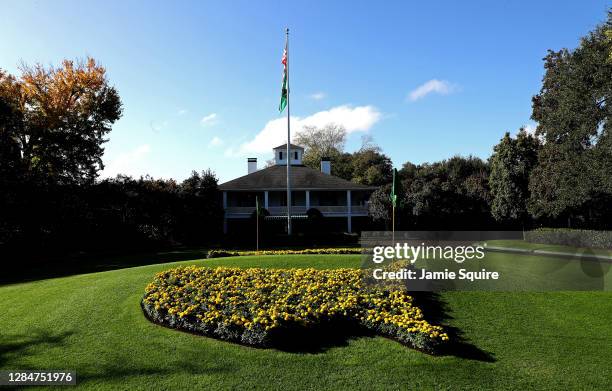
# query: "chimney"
{"type": "Point", "coordinates": [252, 163]}
{"type": "Point", "coordinates": [325, 165]}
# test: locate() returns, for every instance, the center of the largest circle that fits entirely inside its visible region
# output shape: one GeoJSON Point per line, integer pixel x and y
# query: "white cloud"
{"type": "Point", "coordinates": [318, 95]}
{"type": "Point", "coordinates": [208, 120]}
{"type": "Point", "coordinates": [182, 112]}
{"type": "Point", "coordinates": [128, 163]}
{"type": "Point", "coordinates": [436, 86]}
{"type": "Point", "coordinates": [215, 142]}
{"type": "Point", "coordinates": [354, 119]}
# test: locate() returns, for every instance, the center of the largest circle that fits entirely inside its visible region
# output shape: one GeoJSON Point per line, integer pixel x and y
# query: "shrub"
{"type": "Point", "coordinates": [236, 253]}
{"type": "Point", "coordinates": [571, 237]}
{"type": "Point", "coordinates": [252, 306]}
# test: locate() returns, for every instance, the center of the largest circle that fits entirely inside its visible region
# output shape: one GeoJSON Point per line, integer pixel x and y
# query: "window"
{"type": "Point", "coordinates": [296, 155]}
{"type": "Point", "coordinates": [280, 155]}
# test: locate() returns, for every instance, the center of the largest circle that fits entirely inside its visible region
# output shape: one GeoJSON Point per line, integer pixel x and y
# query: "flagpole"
{"type": "Point", "coordinates": [393, 227]}
{"type": "Point", "coordinates": [393, 198]}
{"type": "Point", "coordinates": [288, 141]}
{"type": "Point", "coordinates": [257, 223]}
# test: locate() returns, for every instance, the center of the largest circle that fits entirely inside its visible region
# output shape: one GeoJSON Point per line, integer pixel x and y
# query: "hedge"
{"type": "Point", "coordinates": [254, 306]}
{"type": "Point", "coordinates": [571, 237]}
{"type": "Point", "coordinates": [236, 253]}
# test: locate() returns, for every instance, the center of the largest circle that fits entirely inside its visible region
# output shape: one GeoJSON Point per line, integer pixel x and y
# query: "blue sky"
{"type": "Point", "coordinates": [200, 81]}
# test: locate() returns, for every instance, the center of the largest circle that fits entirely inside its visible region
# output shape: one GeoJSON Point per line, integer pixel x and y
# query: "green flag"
{"type": "Point", "coordinates": [284, 92]}
{"type": "Point", "coordinates": [257, 211]}
{"type": "Point", "coordinates": [393, 195]}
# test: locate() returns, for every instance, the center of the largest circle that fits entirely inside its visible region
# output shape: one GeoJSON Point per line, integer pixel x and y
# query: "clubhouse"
{"type": "Point", "coordinates": [341, 204]}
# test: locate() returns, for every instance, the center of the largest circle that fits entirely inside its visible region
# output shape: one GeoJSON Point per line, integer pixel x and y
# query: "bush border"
{"type": "Point", "coordinates": [570, 237]}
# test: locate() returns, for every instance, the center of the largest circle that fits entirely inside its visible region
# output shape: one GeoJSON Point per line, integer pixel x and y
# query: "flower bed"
{"type": "Point", "coordinates": [235, 253]}
{"type": "Point", "coordinates": [252, 306]}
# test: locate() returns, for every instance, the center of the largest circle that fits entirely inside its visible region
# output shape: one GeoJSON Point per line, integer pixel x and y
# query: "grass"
{"type": "Point", "coordinates": [93, 324]}
{"type": "Point", "coordinates": [530, 272]}
{"type": "Point", "coordinates": [521, 244]}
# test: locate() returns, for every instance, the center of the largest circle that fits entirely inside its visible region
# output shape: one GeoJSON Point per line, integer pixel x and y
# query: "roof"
{"type": "Point", "coordinates": [293, 146]}
{"type": "Point", "coordinates": [302, 178]}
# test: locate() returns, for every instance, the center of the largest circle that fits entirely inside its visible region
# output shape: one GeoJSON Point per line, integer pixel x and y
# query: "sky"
{"type": "Point", "coordinates": [200, 81]}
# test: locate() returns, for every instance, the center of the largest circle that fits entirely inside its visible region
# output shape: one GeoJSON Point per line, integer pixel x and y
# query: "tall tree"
{"type": "Point", "coordinates": [370, 166]}
{"type": "Point", "coordinates": [511, 164]}
{"type": "Point", "coordinates": [318, 142]}
{"type": "Point", "coordinates": [449, 194]}
{"type": "Point", "coordinates": [573, 110]}
{"type": "Point", "coordinates": [62, 116]}
{"type": "Point", "coordinates": [11, 119]}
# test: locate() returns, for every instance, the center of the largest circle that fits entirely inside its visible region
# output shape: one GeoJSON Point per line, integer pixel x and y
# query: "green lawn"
{"type": "Point", "coordinates": [93, 324]}
{"type": "Point", "coordinates": [521, 244]}
{"type": "Point", "coordinates": [529, 272]}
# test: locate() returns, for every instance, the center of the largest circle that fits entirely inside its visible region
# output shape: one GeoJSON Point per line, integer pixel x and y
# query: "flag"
{"type": "Point", "coordinates": [283, 100]}
{"type": "Point", "coordinates": [393, 195]}
{"type": "Point", "coordinates": [257, 209]}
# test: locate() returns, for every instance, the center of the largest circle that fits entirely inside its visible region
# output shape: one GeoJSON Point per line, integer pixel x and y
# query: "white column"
{"type": "Point", "coordinates": [225, 213]}
{"type": "Point", "coordinates": [266, 199]}
{"type": "Point", "coordinates": [307, 199]}
{"type": "Point", "coordinates": [348, 211]}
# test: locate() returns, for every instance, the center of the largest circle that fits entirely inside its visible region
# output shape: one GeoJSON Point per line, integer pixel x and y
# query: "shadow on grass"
{"type": "Point", "coordinates": [436, 311]}
{"type": "Point", "coordinates": [16, 346]}
{"type": "Point", "coordinates": [17, 270]}
{"type": "Point", "coordinates": [319, 339]}
{"type": "Point", "coordinates": [119, 371]}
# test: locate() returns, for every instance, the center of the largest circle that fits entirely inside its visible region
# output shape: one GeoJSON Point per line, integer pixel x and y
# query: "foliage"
{"type": "Point", "coordinates": [201, 211]}
{"type": "Point", "coordinates": [252, 305]}
{"type": "Point", "coordinates": [451, 194]}
{"type": "Point", "coordinates": [511, 164]}
{"type": "Point", "coordinates": [380, 207]}
{"type": "Point", "coordinates": [573, 114]}
{"type": "Point", "coordinates": [57, 121]}
{"type": "Point", "coordinates": [571, 237]}
{"type": "Point", "coordinates": [370, 166]}
{"type": "Point", "coordinates": [115, 213]}
{"type": "Point", "coordinates": [235, 253]}
{"type": "Point", "coordinates": [327, 141]}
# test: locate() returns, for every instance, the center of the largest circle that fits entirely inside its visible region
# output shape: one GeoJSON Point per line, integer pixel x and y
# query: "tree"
{"type": "Point", "coordinates": [59, 119]}
{"type": "Point", "coordinates": [573, 114]}
{"type": "Point", "coordinates": [379, 206]}
{"type": "Point", "coordinates": [10, 120]}
{"type": "Point", "coordinates": [370, 166]}
{"type": "Point", "coordinates": [511, 164]}
{"type": "Point", "coordinates": [327, 141]}
{"type": "Point", "coordinates": [609, 36]}
{"type": "Point", "coordinates": [201, 185]}
{"type": "Point", "coordinates": [342, 166]}
{"type": "Point", "coordinates": [202, 213]}
{"type": "Point", "coordinates": [451, 194]}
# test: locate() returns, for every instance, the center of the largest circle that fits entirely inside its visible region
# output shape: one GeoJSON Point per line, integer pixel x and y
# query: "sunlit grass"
{"type": "Point", "coordinates": [93, 324]}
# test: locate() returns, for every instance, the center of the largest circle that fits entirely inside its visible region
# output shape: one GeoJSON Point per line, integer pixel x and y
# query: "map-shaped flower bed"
{"type": "Point", "coordinates": [252, 306]}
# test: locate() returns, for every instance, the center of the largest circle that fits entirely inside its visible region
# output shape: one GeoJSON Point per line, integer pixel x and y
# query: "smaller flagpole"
{"type": "Point", "coordinates": [393, 226]}
{"type": "Point", "coordinates": [257, 223]}
{"type": "Point", "coordinates": [393, 198]}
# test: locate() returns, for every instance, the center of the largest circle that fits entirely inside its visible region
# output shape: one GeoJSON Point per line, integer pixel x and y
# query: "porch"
{"type": "Point", "coordinates": [331, 203]}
